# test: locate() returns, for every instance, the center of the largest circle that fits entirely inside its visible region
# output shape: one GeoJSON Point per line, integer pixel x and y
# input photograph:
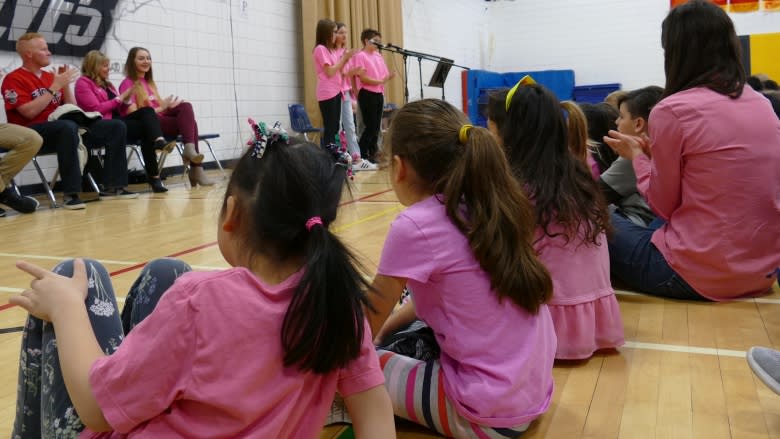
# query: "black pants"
{"type": "Point", "coordinates": [62, 137]}
{"type": "Point", "coordinates": [144, 125]}
{"type": "Point", "coordinates": [371, 106]}
{"type": "Point", "coordinates": [330, 110]}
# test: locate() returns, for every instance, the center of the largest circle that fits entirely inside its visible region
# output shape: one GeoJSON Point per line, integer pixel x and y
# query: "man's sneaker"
{"type": "Point", "coordinates": [10, 198]}
{"type": "Point", "coordinates": [765, 363]}
{"type": "Point", "coordinates": [338, 412]}
{"type": "Point", "coordinates": [118, 194]}
{"type": "Point", "coordinates": [364, 165]}
{"type": "Point", "coordinates": [2, 213]}
{"type": "Point", "coordinates": [74, 203]}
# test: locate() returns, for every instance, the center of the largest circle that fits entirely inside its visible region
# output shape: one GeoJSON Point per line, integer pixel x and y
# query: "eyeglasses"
{"type": "Point", "coordinates": [525, 80]}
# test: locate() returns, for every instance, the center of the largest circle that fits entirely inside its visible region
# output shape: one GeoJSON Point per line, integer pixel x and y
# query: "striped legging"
{"type": "Point", "coordinates": [417, 391]}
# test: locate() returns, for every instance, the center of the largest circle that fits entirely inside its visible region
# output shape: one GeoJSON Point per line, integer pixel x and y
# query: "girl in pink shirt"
{"type": "Point", "coordinates": [570, 211]}
{"type": "Point", "coordinates": [255, 351]}
{"type": "Point", "coordinates": [463, 247]}
{"type": "Point", "coordinates": [710, 170]}
{"type": "Point", "coordinates": [329, 63]}
{"type": "Point", "coordinates": [176, 116]}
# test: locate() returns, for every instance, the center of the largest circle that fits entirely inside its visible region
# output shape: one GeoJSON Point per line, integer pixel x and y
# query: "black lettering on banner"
{"type": "Point", "coordinates": [71, 27]}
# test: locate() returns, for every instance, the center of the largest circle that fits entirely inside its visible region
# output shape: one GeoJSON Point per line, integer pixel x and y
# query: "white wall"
{"type": "Point", "coordinates": [603, 41]}
{"type": "Point", "coordinates": [232, 59]}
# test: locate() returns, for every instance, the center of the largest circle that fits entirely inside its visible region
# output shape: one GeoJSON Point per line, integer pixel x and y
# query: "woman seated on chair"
{"type": "Point", "coordinates": [94, 92]}
{"type": "Point", "coordinates": [176, 116]}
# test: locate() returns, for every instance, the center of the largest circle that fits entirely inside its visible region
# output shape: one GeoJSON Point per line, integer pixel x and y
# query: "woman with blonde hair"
{"type": "Point", "coordinates": [94, 92]}
{"type": "Point", "coordinates": [176, 116]}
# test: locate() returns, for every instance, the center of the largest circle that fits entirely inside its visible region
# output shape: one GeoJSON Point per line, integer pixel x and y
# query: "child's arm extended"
{"type": "Point", "coordinates": [372, 413]}
{"type": "Point", "coordinates": [384, 294]}
{"type": "Point", "coordinates": [60, 300]}
{"type": "Point", "coordinates": [401, 318]}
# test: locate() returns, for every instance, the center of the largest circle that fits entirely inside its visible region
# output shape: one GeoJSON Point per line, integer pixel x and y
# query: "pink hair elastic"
{"type": "Point", "coordinates": [312, 222]}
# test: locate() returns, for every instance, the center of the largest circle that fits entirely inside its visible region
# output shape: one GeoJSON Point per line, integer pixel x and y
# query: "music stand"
{"type": "Point", "coordinates": [440, 74]}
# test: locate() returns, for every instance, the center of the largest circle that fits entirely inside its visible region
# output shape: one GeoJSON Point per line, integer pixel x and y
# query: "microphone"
{"type": "Point", "coordinates": [392, 46]}
{"type": "Point", "coordinates": [379, 45]}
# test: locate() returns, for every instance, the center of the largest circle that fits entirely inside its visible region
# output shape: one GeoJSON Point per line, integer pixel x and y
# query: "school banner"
{"type": "Point", "coordinates": [71, 28]}
{"type": "Point", "coordinates": [771, 5]}
{"type": "Point", "coordinates": [743, 5]}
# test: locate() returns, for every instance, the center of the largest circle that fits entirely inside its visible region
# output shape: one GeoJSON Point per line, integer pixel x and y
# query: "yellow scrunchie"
{"type": "Point", "coordinates": [463, 134]}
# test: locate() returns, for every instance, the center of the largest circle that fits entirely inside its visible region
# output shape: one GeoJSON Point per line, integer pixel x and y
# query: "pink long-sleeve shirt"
{"type": "Point", "coordinates": [715, 179]}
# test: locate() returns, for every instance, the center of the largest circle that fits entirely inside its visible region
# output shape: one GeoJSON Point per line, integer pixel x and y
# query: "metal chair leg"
{"type": "Point", "coordinates": [49, 193]}
{"type": "Point", "coordinates": [211, 150]}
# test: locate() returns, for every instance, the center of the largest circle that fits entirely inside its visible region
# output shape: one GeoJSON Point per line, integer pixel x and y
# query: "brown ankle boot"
{"type": "Point", "coordinates": [199, 177]}
{"type": "Point", "coordinates": [190, 154]}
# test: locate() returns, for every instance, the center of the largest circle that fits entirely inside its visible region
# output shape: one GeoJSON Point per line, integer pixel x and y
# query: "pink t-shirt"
{"type": "Point", "coordinates": [715, 180]}
{"type": "Point", "coordinates": [375, 68]}
{"type": "Point", "coordinates": [208, 363]}
{"type": "Point", "coordinates": [346, 86]}
{"type": "Point", "coordinates": [496, 358]}
{"type": "Point", "coordinates": [327, 87]}
{"type": "Point", "coordinates": [128, 83]}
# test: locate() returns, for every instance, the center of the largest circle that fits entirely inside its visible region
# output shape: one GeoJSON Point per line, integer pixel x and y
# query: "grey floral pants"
{"type": "Point", "coordinates": [43, 407]}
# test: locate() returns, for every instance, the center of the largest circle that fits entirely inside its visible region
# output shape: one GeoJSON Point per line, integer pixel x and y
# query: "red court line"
{"type": "Point", "coordinates": [207, 245]}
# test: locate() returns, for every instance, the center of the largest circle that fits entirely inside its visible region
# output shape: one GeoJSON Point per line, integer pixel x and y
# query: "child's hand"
{"type": "Point", "coordinates": [628, 146]}
{"type": "Point", "coordinates": [50, 292]}
{"type": "Point", "coordinates": [390, 76]}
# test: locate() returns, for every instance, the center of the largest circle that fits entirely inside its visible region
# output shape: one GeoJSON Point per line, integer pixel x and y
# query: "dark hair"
{"type": "Point", "coordinates": [601, 118]}
{"type": "Point", "coordinates": [639, 102]}
{"type": "Point", "coordinates": [771, 84]}
{"type": "Point", "coordinates": [536, 139]}
{"type": "Point", "coordinates": [497, 219]}
{"type": "Point", "coordinates": [368, 34]}
{"type": "Point", "coordinates": [276, 195]}
{"type": "Point", "coordinates": [324, 34]}
{"type": "Point", "coordinates": [701, 49]}
{"type": "Point", "coordinates": [755, 83]}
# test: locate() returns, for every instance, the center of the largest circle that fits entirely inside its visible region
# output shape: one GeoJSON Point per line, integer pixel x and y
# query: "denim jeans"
{"type": "Point", "coordinates": [637, 262]}
{"type": "Point", "coordinates": [348, 123]}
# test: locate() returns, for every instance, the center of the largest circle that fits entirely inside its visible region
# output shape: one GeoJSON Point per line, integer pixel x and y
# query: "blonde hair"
{"type": "Point", "coordinates": [139, 91]}
{"type": "Point", "coordinates": [578, 131]}
{"type": "Point", "coordinates": [90, 67]}
{"type": "Point", "coordinates": [21, 43]}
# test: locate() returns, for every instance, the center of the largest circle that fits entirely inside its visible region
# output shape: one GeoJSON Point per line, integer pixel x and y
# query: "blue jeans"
{"type": "Point", "coordinates": [348, 123]}
{"type": "Point", "coordinates": [43, 406]}
{"type": "Point", "coordinates": [637, 262]}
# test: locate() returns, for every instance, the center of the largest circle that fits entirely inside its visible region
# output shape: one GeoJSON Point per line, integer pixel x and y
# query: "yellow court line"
{"type": "Point", "coordinates": [367, 219]}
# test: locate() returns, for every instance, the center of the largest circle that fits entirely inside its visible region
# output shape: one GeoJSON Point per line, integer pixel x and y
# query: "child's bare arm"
{"type": "Point", "coordinates": [372, 413]}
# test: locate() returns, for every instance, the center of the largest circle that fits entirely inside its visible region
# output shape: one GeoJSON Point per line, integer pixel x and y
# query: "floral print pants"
{"type": "Point", "coordinates": [43, 407]}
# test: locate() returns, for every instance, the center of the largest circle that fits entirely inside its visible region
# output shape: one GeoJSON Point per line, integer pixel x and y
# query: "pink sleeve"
{"type": "Point", "coordinates": [88, 100]}
{"type": "Point", "coordinates": [322, 56]}
{"type": "Point", "coordinates": [127, 83]}
{"type": "Point", "coordinates": [406, 252]}
{"type": "Point", "coordinates": [661, 188]}
{"type": "Point", "coordinates": [152, 365]}
{"type": "Point", "coordinates": [363, 373]}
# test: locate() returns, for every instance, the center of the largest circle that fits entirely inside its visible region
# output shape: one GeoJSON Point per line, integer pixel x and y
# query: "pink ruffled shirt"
{"type": "Point", "coordinates": [208, 363]}
{"type": "Point", "coordinates": [327, 86]}
{"type": "Point", "coordinates": [496, 358]}
{"type": "Point", "coordinates": [715, 180]}
{"type": "Point", "coordinates": [375, 68]}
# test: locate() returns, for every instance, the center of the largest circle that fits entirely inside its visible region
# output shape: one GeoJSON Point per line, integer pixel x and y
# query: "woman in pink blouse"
{"type": "Point", "coordinates": [710, 170]}
{"type": "Point", "coordinates": [94, 92]}
{"type": "Point", "coordinates": [176, 116]}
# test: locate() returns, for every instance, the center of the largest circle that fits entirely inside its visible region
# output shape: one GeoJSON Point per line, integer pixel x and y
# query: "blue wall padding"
{"type": "Point", "coordinates": [481, 82]}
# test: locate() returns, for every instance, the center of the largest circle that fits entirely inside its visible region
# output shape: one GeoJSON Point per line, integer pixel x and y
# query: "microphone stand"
{"type": "Point", "coordinates": [420, 56]}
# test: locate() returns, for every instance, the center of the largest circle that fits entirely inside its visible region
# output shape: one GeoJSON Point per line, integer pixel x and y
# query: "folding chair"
{"type": "Point", "coordinates": [300, 122]}
{"type": "Point", "coordinates": [180, 146]}
{"type": "Point", "coordinates": [49, 193]}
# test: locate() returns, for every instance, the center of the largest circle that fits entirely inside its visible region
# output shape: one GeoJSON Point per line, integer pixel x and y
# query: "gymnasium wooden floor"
{"type": "Point", "coordinates": [682, 373]}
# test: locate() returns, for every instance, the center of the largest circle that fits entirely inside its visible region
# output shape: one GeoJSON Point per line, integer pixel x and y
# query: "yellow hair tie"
{"type": "Point", "coordinates": [463, 134]}
{"type": "Point", "coordinates": [525, 80]}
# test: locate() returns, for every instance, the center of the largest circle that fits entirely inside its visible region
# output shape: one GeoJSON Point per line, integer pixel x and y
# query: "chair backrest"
{"type": "Point", "coordinates": [299, 119]}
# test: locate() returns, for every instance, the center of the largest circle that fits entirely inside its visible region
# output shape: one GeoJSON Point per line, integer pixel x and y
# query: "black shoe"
{"type": "Point", "coordinates": [10, 198]}
{"type": "Point", "coordinates": [2, 213]}
{"type": "Point", "coordinates": [74, 203]}
{"type": "Point", "coordinates": [157, 185]}
{"type": "Point", "coordinates": [162, 145]}
{"type": "Point", "coordinates": [118, 194]}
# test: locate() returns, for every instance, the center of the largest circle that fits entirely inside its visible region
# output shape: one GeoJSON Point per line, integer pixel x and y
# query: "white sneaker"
{"type": "Point", "coordinates": [364, 165]}
{"type": "Point", "coordinates": [338, 412]}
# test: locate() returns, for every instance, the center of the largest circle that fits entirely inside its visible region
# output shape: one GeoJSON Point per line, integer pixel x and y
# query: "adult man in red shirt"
{"type": "Point", "coordinates": [32, 94]}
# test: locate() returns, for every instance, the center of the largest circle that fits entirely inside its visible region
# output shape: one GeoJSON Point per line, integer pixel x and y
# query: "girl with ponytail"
{"type": "Point", "coordinates": [463, 247]}
{"type": "Point", "coordinates": [547, 154]}
{"type": "Point", "coordinates": [258, 350]}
